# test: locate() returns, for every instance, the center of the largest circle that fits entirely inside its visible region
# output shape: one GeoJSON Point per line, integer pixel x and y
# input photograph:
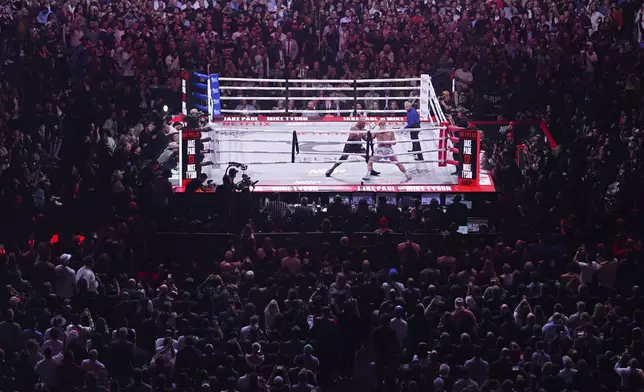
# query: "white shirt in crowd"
{"type": "Point", "coordinates": [400, 327]}
{"type": "Point", "coordinates": [172, 63]}
{"type": "Point", "coordinates": [55, 344]}
{"type": "Point", "coordinates": [464, 75]}
{"type": "Point", "coordinates": [65, 281]}
{"type": "Point", "coordinates": [75, 39]}
{"type": "Point", "coordinates": [595, 18]}
{"type": "Point", "coordinates": [588, 271]}
{"type": "Point", "coordinates": [89, 365]}
{"type": "Point", "coordinates": [159, 344]}
{"type": "Point", "coordinates": [126, 64]}
{"type": "Point", "coordinates": [46, 369]}
{"type": "Point", "coordinates": [86, 273]}
{"type": "Point", "coordinates": [63, 334]}
{"type": "Point", "coordinates": [118, 34]}
{"type": "Point", "coordinates": [590, 59]}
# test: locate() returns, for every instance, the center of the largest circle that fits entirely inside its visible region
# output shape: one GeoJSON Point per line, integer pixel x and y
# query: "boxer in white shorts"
{"type": "Point", "coordinates": [384, 146]}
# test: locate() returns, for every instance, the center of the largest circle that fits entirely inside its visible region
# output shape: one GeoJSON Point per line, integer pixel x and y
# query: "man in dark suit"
{"type": "Point", "coordinates": [328, 107]}
{"type": "Point", "coordinates": [121, 358]}
{"type": "Point", "coordinates": [188, 357]}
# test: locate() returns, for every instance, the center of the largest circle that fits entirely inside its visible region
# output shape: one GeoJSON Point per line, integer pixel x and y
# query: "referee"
{"type": "Point", "coordinates": [413, 121]}
{"type": "Point", "coordinates": [277, 208]}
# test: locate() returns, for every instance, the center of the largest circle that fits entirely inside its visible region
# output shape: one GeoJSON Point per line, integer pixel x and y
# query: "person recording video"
{"type": "Point", "coordinates": [197, 184]}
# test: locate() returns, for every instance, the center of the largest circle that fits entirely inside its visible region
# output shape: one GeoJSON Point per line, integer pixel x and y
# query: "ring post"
{"type": "Point", "coordinates": [355, 97]}
{"type": "Point", "coordinates": [286, 99]}
{"type": "Point", "coordinates": [294, 147]}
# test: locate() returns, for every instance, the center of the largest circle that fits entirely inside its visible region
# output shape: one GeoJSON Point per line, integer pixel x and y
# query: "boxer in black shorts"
{"type": "Point", "coordinates": [356, 135]}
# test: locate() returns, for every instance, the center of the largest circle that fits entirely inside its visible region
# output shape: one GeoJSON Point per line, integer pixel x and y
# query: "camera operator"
{"type": "Point", "coordinates": [227, 187]}
{"type": "Point", "coordinates": [197, 184]}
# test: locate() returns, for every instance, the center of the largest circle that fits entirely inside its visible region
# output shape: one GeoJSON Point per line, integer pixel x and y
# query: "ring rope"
{"type": "Point", "coordinates": [351, 154]}
{"type": "Point", "coordinates": [252, 88]}
{"type": "Point", "coordinates": [410, 141]}
{"type": "Point", "coordinates": [324, 111]}
{"type": "Point", "coordinates": [278, 88]}
{"type": "Point", "coordinates": [253, 152]}
{"type": "Point", "coordinates": [316, 131]}
{"type": "Point", "coordinates": [385, 111]}
{"type": "Point", "coordinates": [349, 161]}
{"type": "Point", "coordinates": [238, 98]}
{"type": "Point", "coordinates": [244, 98]}
{"type": "Point", "coordinates": [319, 88]}
{"type": "Point", "coordinates": [387, 80]}
{"type": "Point", "coordinates": [406, 153]}
{"type": "Point", "coordinates": [227, 79]}
{"type": "Point", "coordinates": [321, 81]}
{"type": "Point", "coordinates": [283, 111]}
{"type": "Point", "coordinates": [333, 142]}
{"type": "Point", "coordinates": [380, 88]}
{"type": "Point", "coordinates": [253, 112]}
{"type": "Point", "coordinates": [254, 140]}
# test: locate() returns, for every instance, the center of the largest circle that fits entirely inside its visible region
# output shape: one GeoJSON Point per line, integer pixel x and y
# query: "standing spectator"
{"type": "Point", "coordinates": [399, 325]}
{"type": "Point", "coordinates": [65, 277]}
{"type": "Point", "coordinates": [477, 368]}
{"type": "Point", "coordinates": [9, 333]}
{"type": "Point", "coordinates": [121, 357]}
{"type": "Point", "coordinates": [47, 369]}
{"type": "Point", "coordinates": [86, 273]}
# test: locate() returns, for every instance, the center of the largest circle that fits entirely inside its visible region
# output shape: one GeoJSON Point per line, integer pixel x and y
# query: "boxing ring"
{"type": "Point", "coordinates": [287, 148]}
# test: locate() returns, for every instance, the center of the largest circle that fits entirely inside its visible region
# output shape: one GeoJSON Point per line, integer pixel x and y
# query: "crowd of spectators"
{"type": "Point", "coordinates": [551, 302]}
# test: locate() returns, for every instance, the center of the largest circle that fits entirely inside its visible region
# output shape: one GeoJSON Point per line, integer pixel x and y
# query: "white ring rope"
{"type": "Point", "coordinates": [253, 152]}
{"type": "Point", "coordinates": [341, 131]}
{"type": "Point", "coordinates": [322, 111]}
{"type": "Point", "coordinates": [226, 79]}
{"type": "Point", "coordinates": [405, 153]}
{"type": "Point", "coordinates": [332, 142]}
{"type": "Point", "coordinates": [279, 88]}
{"type": "Point", "coordinates": [346, 161]}
{"type": "Point", "coordinates": [351, 154]}
{"type": "Point", "coordinates": [385, 111]}
{"type": "Point", "coordinates": [359, 154]}
{"type": "Point", "coordinates": [254, 140]}
{"type": "Point", "coordinates": [273, 88]}
{"type": "Point", "coordinates": [320, 88]}
{"type": "Point", "coordinates": [283, 111]}
{"type": "Point", "coordinates": [253, 112]}
{"type": "Point", "coordinates": [332, 153]}
{"type": "Point", "coordinates": [321, 132]}
{"type": "Point", "coordinates": [384, 142]}
{"type": "Point", "coordinates": [243, 98]}
{"type": "Point", "coordinates": [364, 153]}
{"type": "Point", "coordinates": [379, 88]}
{"type": "Point", "coordinates": [325, 142]}
{"type": "Point", "coordinates": [388, 80]}
{"type": "Point", "coordinates": [321, 81]}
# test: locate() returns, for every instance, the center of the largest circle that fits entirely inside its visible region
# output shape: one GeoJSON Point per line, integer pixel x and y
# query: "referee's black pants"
{"type": "Point", "coordinates": [415, 146]}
